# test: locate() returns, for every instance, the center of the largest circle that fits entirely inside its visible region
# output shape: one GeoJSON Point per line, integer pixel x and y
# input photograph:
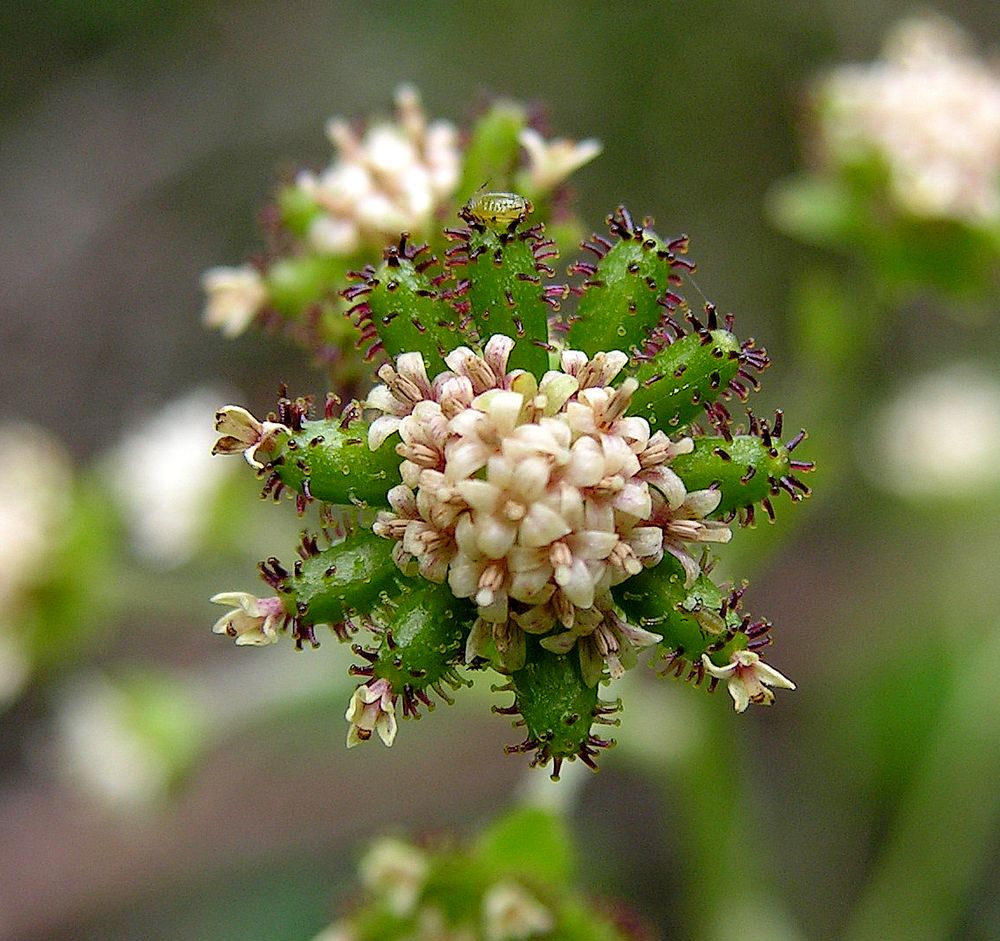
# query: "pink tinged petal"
{"type": "Point", "coordinates": [465, 535]}
{"type": "Point", "coordinates": [381, 398]}
{"type": "Point", "coordinates": [464, 458]}
{"type": "Point", "coordinates": [497, 352]}
{"type": "Point", "coordinates": [531, 479]}
{"type": "Point", "coordinates": [586, 466]}
{"type": "Point", "coordinates": [525, 558]}
{"type": "Point", "coordinates": [771, 677]}
{"type": "Point", "coordinates": [576, 582]}
{"type": "Point", "coordinates": [385, 725]}
{"type": "Point", "coordinates": [572, 361]}
{"type": "Point", "coordinates": [457, 358]}
{"type": "Point", "coordinates": [463, 576]}
{"type": "Point", "coordinates": [646, 540]}
{"type": "Point", "coordinates": [526, 586]}
{"type": "Point", "coordinates": [599, 515]}
{"type": "Point", "coordinates": [494, 537]}
{"type": "Point", "coordinates": [700, 503]}
{"type": "Point", "coordinates": [434, 566]}
{"type": "Point", "coordinates": [381, 429]}
{"type": "Point", "coordinates": [402, 500]}
{"type": "Point", "coordinates": [559, 643]}
{"type": "Point", "coordinates": [593, 544]}
{"type": "Point", "coordinates": [635, 500]}
{"type": "Point", "coordinates": [541, 526]}
{"type": "Point", "coordinates": [480, 495]}
{"type": "Point", "coordinates": [634, 430]}
{"type": "Point", "coordinates": [691, 567]}
{"type": "Point", "coordinates": [722, 673]}
{"type": "Point", "coordinates": [638, 637]}
{"type": "Point", "coordinates": [714, 531]}
{"type": "Point", "coordinates": [668, 483]}
{"type": "Point", "coordinates": [741, 695]}
{"type": "Point", "coordinates": [411, 366]}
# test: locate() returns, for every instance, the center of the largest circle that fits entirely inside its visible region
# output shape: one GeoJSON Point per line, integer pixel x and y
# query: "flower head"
{"type": "Point", "coordinates": [396, 871]}
{"type": "Point", "coordinates": [391, 180]}
{"type": "Point", "coordinates": [510, 913]}
{"type": "Point", "coordinates": [243, 434]}
{"type": "Point", "coordinates": [535, 498]}
{"type": "Point", "coordinates": [748, 678]}
{"type": "Point", "coordinates": [372, 709]}
{"type": "Point", "coordinates": [931, 110]}
{"type": "Point", "coordinates": [254, 621]}
{"type": "Point", "coordinates": [552, 162]}
{"type": "Point", "coordinates": [233, 297]}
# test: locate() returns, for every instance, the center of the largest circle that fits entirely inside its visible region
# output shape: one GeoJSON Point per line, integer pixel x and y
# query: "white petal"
{"type": "Point", "coordinates": [541, 526]}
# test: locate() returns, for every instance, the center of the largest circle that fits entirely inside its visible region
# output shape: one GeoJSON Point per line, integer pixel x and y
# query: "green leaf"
{"type": "Point", "coordinates": [532, 843]}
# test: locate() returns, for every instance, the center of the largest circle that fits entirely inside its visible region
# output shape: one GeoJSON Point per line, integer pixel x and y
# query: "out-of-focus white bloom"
{"type": "Point", "coordinates": [748, 679]}
{"type": "Point", "coordinates": [36, 480]}
{"type": "Point", "coordinates": [254, 621]}
{"type": "Point", "coordinates": [103, 751]}
{"type": "Point", "coordinates": [391, 180]}
{"type": "Point", "coordinates": [931, 110]}
{"type": "Point", "coordinates": [551, 162]}
{"type": "Point", "coordinates": [510, 913]}
{"type": "Point", "coordinates": [534, 498]}
{"type": "Point", "coordinates": [940, 438]}
{"type": "Point", "coordinates": [233, 297]}
{"type": "Point", "coordinates": [35, 488]}
{"type": "Point", "coordinates": [165, 477]}
{"type": "Point", "coordinates": [396, 871]}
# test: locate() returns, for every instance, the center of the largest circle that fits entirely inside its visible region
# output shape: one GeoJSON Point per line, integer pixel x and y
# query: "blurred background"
{"type": "Point", "coordinates": [156, 783]}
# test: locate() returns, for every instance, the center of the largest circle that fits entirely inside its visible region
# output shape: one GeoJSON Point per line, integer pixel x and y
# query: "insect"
{"type": "Point", "coordinates": [497, 210]}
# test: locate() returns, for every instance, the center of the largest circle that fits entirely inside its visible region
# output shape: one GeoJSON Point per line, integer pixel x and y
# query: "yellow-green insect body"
{"type": "Point", "coordinates": [498, 210]}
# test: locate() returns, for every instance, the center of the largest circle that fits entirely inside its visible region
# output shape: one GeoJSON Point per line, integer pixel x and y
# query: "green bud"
{"type": "Point", "coordinates": [557, 708]}
{"type": "Point", "coordinates": [627, 293]}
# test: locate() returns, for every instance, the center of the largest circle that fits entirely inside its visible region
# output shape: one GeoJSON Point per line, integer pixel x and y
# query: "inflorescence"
{"type": "Point", "coordinates": [524, 491]}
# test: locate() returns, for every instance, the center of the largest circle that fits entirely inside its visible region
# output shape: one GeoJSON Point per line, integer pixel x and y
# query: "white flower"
{"type": "Point", "coordinates": [748, 678]}
{"type": "Point", "coordinates": [391, 180]}
{"type": "Point", "coordinates": [372, 709]}
{"type": "Point", "coordinates": [510, 913]}
{"type": "Point", "coordinates": [686, 524]}
{"type": "Point", "coordinates": [253, 621]}
{"type": "Point", "coordinates": [36, 480]}
{"type": "Point", "coordinates": [551, 162]}
{"type": "Point", "coordinates": [165, 477]}
{"type": "Point", "coordinates": [940, 437]}
{"type": "Point", "coordinates": [396, 871]}
{"type": "Point", "coordinates": [931, 110]}
{"type": "Point", "coordinates": [233, 297]}
{"type": "Point", "coordinates": [243, 434]}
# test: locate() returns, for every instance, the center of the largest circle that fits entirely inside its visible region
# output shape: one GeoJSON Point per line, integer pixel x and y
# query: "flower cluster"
{"type": "Point", "coordinates": [503, 887]}
{"type": "Point", "coordinates": [401, 175]}
{"type": "Point", "coordinates": [931, 110]}
{"type": "Point", "coordinates": [534, 498]}
{"type": "Point", "coordinates": [531, 495]}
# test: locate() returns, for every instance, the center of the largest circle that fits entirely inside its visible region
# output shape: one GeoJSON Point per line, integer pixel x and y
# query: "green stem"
{"type": "Point", "coordinates": [939, 844]}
